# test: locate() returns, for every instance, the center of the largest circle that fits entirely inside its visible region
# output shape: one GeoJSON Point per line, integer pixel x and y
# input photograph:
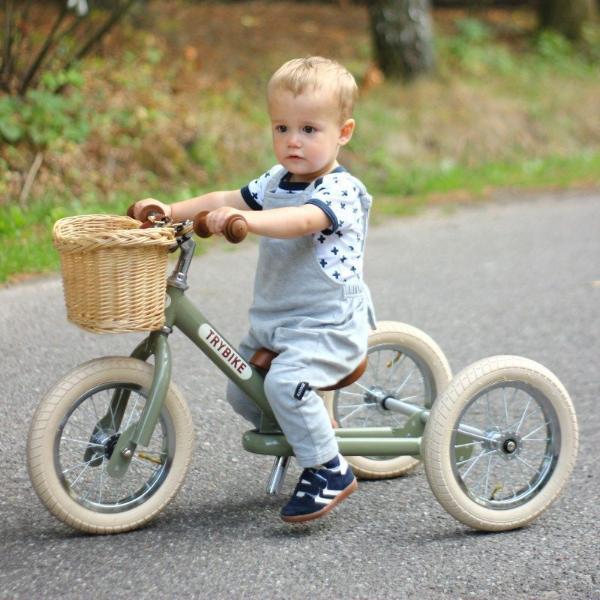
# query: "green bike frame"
{"type": "Point", "coordinates": [268, 438]}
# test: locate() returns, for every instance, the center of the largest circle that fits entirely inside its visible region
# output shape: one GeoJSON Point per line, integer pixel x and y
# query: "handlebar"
{"type": "Point", "coordinates": [235, 229]}
{"type": "Point", "coordinates": [151, 210]}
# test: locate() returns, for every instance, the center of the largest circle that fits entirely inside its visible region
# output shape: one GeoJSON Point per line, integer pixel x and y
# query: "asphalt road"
{"type": "Point", "coordinates": [518, 277]}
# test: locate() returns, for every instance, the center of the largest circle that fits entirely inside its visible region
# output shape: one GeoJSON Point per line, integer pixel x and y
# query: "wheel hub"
{"type": "Point", "coordinates": [109, 445]}
{"type": "Point", "coordinates": [374, 395]}
{"type": "Point", "coordinates": [507, 443]}
{"type": "Point", "coordinates": [378, 395]}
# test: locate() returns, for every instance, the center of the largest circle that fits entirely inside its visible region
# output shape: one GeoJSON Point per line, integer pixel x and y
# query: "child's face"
{"type": "Point", "coordinates": [307, 132]}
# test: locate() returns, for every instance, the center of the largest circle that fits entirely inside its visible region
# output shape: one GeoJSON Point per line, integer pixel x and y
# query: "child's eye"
{"type": "Point", "coordinates": [308, 129]}
{"type": "Point", "coordinates": [281, 128]}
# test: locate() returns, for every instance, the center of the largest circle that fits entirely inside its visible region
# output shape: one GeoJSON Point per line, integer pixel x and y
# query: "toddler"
{"type": "Point", "coordinates": [310, 304]}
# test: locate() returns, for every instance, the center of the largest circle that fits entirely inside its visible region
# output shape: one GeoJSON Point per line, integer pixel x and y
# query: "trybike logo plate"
{"type": "Point", "coordinates": [225, 352]}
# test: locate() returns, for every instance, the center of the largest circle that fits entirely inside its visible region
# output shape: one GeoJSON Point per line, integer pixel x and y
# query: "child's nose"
{"type": "Point", "coordinates": [294, 140]}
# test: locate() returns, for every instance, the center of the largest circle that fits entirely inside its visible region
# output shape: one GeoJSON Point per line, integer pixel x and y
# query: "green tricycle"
{"type": "Point", "coordinates": [110, 444]}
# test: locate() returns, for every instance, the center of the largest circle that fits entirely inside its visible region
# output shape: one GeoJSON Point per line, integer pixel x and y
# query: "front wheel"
{"type": "Point", "coordinates": [500, 443]}
{"type": "Point", "coordinates": [403, 363]}
{"type": "Point", "coordinates": [74, 432]}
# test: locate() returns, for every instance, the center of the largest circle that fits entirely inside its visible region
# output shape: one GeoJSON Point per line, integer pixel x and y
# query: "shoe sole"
{"type": "Point", "coordinates": [316, 515]}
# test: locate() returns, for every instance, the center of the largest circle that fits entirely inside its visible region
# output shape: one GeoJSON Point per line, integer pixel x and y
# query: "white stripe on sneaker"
{"type": "Point", "coordinates": [331, 493]}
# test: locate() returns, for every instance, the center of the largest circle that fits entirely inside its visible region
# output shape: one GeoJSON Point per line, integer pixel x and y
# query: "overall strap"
{"type": "Point", "coordinates": [277, 173]}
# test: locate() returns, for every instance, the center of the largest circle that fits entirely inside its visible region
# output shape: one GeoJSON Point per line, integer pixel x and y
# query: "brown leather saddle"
{"type": "Point", "coordinates": [263, 357]}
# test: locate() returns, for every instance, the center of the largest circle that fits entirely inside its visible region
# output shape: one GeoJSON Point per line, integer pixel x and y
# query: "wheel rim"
{"type": "Point", "coordinates": [506, 445]}
{"type": "Point", "coordinates": [393, 371]}
{"type": "Point", "coordinates": [86, 479]}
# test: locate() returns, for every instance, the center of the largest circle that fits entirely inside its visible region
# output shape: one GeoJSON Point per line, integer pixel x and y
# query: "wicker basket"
{"type": "Point", "coordinates": [113, 272]}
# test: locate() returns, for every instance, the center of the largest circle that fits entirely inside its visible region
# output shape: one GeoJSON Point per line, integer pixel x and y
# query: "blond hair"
{"type": "Point", "coordinates": [313, 73]}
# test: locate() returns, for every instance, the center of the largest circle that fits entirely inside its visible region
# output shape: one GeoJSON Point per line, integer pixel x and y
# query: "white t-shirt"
{"type": "Point", "coordinates": [338, 249]}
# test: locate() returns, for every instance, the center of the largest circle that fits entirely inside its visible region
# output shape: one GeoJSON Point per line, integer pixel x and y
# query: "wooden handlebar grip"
{"type": "Point", "coordinates": [200, 226]}
{"type": "Point", "coordinates": [236, 229]}
{"type": "Point", "coordinates": [152, 210]}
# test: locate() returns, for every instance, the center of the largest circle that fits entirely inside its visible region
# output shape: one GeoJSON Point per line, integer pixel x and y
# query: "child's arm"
{"type": "Point", "coordinates": [187, 209]}
{"type": "Point", "coordinates": [286, 222]}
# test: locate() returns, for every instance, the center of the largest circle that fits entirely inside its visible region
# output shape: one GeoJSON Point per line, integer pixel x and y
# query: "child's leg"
{"type": "Point", "coordinates": [240, 402]}
{"type": "Point", "coordinates": [301, 413]}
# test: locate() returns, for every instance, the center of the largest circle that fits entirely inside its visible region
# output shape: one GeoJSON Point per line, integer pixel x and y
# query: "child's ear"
{"type": "Point", "coordinates": [346, 131]}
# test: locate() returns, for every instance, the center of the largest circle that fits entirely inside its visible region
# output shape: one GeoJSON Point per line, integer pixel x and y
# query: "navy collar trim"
{"type": "Point", "coordinates": [298, 186]}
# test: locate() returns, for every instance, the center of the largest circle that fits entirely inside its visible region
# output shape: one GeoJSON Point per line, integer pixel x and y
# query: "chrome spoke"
{"type": "Point", "coordinates": [82, 442]}
{"type": "Point", "coordinates": [87, 465]}
{"type": "Point", "coordinates": [353, 412]}
{"type": "Point", "coordinates": [487, 477]}
{"type": "Point", "coordinates": [362, 387]}
{"type": "Point", "coordinates": [351, 405]}
{"type": "Point", "coordinates": [407, 399]}
{"type": "Point", "coordinates": [527, 464]}
{"type": "Point", "coordinates": [523, 416]}
{"type": "Point", "coordinates": [477, 458]}
{"type": "Point", "coordinates": [399, 389]}
{"type": "Point", "coordinates": [102, 473]}
{"type": "Point", "coordinates": [467, 445]}
{"type": "Point", "coordinates": [347, 393]}
{"type": "Point", "coordinates": [366, 419]}
{"type": "Point", "coordinates": [131, 413]}
{"type": "Point", "coordinates": [489, 411]}
{"type": "Point", "coordinates": [505, 407]}
{"type": "Point", "coordinates": [94, 408]}
{"type": "Point", "coordinates": [535, 430]}
{"type": "Point", "coordinates": [83, 464]}
{"type": "Point", "coordinates": [112, 416]}
{"type": "Point", "coordinates": [394, 366]}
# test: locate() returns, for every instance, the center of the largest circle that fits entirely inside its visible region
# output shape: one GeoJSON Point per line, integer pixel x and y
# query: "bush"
{"type": "Point", "coordinates": [44, 116]}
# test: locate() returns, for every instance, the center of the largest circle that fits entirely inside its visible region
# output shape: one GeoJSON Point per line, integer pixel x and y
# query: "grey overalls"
{"type": "Point", "coordinates": [318, 326]}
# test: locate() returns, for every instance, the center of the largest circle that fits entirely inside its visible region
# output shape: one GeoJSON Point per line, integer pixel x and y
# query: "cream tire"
{"type": "Point", "coordinates": [60, 492]}
{"type": "Point", "coordinates": [516, 470]}
{"type": "Point", "coordinates": [430, 368]}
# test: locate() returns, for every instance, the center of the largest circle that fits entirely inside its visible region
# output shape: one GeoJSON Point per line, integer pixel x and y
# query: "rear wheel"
{"type": "Point", "coordinates": [75, 431]}
{"type": "Point", "coordinates": [500, 443]}
{"type": "Point", "coordinates": [403, 363]}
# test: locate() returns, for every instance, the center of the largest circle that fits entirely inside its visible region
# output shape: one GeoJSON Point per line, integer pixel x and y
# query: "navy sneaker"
{"type": "Point", "coordinates": [319, 490]}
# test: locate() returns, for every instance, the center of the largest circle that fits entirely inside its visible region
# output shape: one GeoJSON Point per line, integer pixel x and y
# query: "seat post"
{"type": "Point", "coordinates": [275, 482]}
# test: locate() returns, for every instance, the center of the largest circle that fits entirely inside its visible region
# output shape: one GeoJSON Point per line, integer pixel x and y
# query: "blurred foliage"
{"type": "Point", "coordinates": [43, 116]}
{"type": "Point", "coordinates": [173, 105]}
{"type": "Point", "coordinates": [47, 38]}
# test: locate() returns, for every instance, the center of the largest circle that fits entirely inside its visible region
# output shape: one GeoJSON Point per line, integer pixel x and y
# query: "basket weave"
{"type": "Point", "coordinates": [113, 272]}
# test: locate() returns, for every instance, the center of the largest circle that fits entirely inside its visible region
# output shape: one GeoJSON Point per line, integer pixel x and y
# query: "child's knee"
{"type": "Point", "coordinates": [242, 404]}
{"type": "Point", "coordinates": [284, 387]}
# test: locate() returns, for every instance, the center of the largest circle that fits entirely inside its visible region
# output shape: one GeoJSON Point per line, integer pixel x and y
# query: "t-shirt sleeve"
{"type": "Point", "coordinates": [339, 198]}
{"type": "Point", "coordinates": [254, 193]}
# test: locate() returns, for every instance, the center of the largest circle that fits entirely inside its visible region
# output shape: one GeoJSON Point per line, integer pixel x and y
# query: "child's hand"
{"type": "Point", "coordinates": [140, 204]}
{"type": "Point", "coordinates": [216, 219]}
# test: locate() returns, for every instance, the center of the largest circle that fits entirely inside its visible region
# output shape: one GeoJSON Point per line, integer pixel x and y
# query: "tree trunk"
{"type": "Point", "coordinates": [566, 17]}
{"type": "Point", "coordinates": [402, 36]}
